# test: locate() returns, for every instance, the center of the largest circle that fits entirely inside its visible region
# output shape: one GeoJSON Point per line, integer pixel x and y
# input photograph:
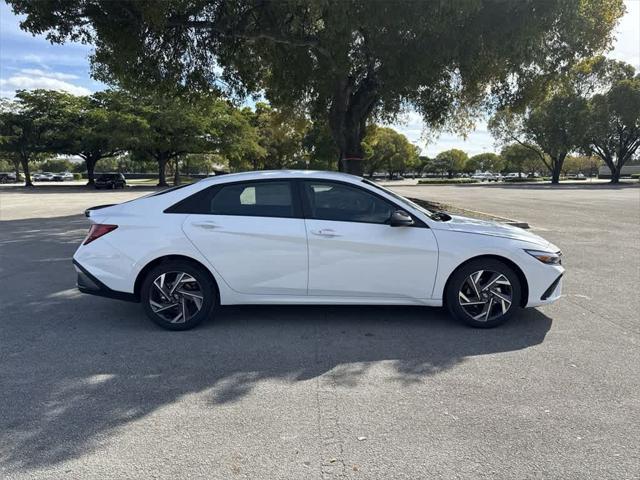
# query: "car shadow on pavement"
{"type": "Point", "coordinates": [74, 368]}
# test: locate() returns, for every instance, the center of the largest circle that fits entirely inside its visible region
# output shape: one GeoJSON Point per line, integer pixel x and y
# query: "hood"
{"type": "Point", "coordinates": [494, 229]}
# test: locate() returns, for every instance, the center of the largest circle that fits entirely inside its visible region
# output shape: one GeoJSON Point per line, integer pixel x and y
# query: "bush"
{"type": "Point", "coordinates": [77, 176]}
{"type": "Point", "coordinates": [523, 179]}
{"type": "Point", "coordinates": [635, 176]}
{"type": "Point", "coordinates": [444, 181]}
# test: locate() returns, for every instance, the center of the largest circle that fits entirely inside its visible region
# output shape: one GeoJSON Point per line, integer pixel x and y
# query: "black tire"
{"type": "Point", "coordinates": [457, 282]}
{"type": "Point", "coordinates": [207, 289]}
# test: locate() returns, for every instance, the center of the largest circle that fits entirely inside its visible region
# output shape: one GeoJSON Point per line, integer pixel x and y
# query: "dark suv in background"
{"type": "Point", "coordinates": [110, 180]}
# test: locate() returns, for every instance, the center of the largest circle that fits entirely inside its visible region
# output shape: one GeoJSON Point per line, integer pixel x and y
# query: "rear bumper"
{"type": "Point", "coordinates": [87, 283]}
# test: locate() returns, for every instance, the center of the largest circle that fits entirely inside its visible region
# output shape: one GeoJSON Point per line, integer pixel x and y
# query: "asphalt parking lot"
{"type": "Point", "coordinates": [91, 389]}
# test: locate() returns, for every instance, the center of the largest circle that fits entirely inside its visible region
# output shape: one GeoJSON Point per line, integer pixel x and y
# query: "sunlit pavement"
{"type": "Point", "coordinates": [91, 389]}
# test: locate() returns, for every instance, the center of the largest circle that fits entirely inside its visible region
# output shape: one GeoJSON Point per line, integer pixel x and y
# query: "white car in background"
{"type": "Point", "coordinates": [62, 176]}
{"type": "Point", "coordinates": [302, 237]}
{"type": "Point", "coordinates": [486, 177]}
{"type": "Point", "coordinates": [43, 177]}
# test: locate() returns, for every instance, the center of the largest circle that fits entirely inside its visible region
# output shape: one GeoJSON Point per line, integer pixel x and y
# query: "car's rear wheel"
{"type": "Point", "coordinates": [484, 293]}
{"type": "Point", "coordinates": [178, 295]}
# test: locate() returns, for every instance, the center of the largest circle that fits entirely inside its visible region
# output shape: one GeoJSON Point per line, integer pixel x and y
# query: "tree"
{"type": "Point", "coordinates": [9, 160]}
{"type": "Point", "coordinates": [484, 162]}
{"type": "Point", "coordinates": [175, 126]}
{"type": "Point", "coordinates": [320, 147]}
{"type": "Point", "coordinates": [582, 164]}
{"type": "Point", "coordinates": [344, 61]}
{"type": "Point", "coordinates": [103, 127]}
{"type": "Point", "coordinates": [280, 135]}
{"type": "Point", "coordinates": [388, 150]}
{"type": "Point", "coordinates": [451, 161]}
{"type": "Point", "coordinates": [31, 124]}
{"type": "Point", "coordinates": [521, 159]}
{"type": "Point", "coordinates": [56, 164]}
{"type": "Point", "coordinates": [552, 128]}
{"type": "Point", "coordinates": [613, 120]}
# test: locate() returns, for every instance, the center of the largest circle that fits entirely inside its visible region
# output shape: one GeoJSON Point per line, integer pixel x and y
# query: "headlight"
{"type": "Point", "coordinates": [549, 258]}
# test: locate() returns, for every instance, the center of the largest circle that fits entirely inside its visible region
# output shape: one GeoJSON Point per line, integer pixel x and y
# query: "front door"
{"type": "Point", "coordinates": [353, 250]}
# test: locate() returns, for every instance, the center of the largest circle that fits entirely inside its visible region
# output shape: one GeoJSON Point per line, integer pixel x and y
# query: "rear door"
{"type": "Point", "coordinates": [354, 251]}
{"type": "Point", "coordinates": [252, 233]}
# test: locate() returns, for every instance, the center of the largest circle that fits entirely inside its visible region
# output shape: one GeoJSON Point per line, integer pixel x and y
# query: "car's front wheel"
{"type": "Point", "coordinates": [484, 293]}
{"type": "Point", "coordinates": [178, 295]}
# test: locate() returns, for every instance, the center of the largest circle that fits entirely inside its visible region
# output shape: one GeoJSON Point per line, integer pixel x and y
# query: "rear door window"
{"type": "Point", "coordinates": [254, 199]}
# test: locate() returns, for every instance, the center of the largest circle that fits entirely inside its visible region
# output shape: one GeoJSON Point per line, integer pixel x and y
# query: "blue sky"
{"type": "Point", "coordinates": [32, 62]}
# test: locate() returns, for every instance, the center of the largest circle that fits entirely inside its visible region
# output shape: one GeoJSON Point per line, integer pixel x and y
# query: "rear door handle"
{"type": "Point", "coordinates": [325, 232]}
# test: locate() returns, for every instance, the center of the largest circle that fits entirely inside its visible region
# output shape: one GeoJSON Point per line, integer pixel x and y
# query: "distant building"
{"type": "Point", "coordinates": [627, 171]}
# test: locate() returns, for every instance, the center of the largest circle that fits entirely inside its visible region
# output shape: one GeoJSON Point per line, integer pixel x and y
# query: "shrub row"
{"type": "Point", "coordinates": [444, 181]}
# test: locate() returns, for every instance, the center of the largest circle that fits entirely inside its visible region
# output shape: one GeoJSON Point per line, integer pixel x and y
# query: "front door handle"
{"type": "Point", "coordinates": [206, 225]}
{"type": "Point", "coordinates": [325, 232]}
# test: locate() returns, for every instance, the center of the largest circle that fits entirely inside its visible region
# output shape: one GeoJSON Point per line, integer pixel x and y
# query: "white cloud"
{"type": "Point", "coordinates": [31, 79]}
{"type": "Point", "coordinates": [42, 73]}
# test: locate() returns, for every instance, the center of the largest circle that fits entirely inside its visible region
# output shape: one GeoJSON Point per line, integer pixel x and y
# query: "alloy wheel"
{"type": "Point", "coordinates": [176, 297]}
{"type": "Point", "coordinates": [485, 295]}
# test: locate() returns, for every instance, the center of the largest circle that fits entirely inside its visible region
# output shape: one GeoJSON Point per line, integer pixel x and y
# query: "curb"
{"type": "Point", "coordinates": [507, 221]}
{"type": "Point", "coordinates": [497, 218]}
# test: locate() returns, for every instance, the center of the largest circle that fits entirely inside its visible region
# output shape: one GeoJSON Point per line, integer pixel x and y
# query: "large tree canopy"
{"type": "Point", "coordinates": [343, 60]}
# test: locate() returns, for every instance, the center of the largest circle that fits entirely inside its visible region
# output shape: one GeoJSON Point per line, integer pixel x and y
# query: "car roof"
{"type": "Point", "coordinates": [282, 174]}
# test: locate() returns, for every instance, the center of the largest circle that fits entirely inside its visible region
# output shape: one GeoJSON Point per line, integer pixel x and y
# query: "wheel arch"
{"type": "Point", "coordinates": [167, 258]}
{"type": "Point", "coordinates": [524, 285]}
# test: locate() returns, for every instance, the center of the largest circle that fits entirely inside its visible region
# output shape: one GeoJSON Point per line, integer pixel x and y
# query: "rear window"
{"type": "Point", "coordinates": [251, 199]}
{"type": "Point", "coordinates": [269, 199]}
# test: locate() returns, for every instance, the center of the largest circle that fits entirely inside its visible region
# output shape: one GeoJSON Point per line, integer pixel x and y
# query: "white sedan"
{"type": "Point", "coordinates": [301, 237]}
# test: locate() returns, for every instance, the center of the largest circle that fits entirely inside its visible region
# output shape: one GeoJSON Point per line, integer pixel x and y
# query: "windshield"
{"type": "Point", "coordinates": [400, 198]}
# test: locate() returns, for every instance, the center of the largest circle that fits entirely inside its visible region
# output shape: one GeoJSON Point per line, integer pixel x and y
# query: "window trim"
{"type": "Point", "coordinates": [306, 208]}
{"type": "Point", "coordinates": [213, 190]}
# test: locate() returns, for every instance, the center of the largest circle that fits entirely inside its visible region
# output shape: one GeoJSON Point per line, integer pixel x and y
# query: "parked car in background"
{"type": "Point", "coordinates": [8, 178]}
{"type": "Point", "coordinates": [485, 177]}
{"type": "Point", "coordinates": [43, 177]}
{"type": "Point", "coordinates": [303, 237]}
{"type": "Point", "coordinates": [514, 177]}
{"type": "Point", "coordinates": [62, 176]}
{"type": "Point", "coordinates": [576, 176]}
{"type": "Point", "coordinates": [111, 181]}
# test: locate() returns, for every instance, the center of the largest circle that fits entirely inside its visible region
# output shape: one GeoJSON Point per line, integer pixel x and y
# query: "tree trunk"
{"type": "Point", "coordinates": [162, 168]}
{"type": "Point", "coordinates": [91, 166]}
{"type": "Point", "coordinates": [351, 106]}
{"type": "Point", "coordinates": [176, 172]}
{"type": "Point", "coordinates": [16, 167]}
{"type": "Point", "coordinates": [615, 173]}
{"type": "Point", "coordinates": [556, 167]}
{"type": "Point", "coordinates": [24, 160]}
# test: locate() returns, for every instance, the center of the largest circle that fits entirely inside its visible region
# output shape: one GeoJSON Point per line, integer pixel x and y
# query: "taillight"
{"type": "Point", "coordinates": [98, 230]}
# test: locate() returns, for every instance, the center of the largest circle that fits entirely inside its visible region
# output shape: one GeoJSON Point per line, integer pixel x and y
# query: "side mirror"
{"type": "Point", "coordinates": [400, 218]}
